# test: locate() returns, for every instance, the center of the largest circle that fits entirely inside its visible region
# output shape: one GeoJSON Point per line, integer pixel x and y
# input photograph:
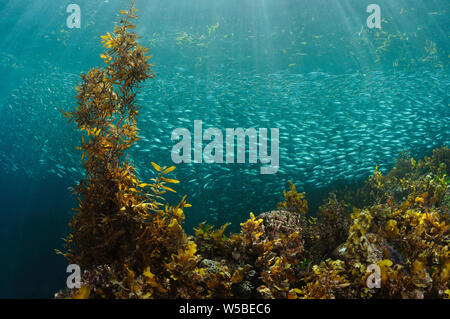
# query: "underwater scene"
{"type": "Point", "coordinates": [249, 149]}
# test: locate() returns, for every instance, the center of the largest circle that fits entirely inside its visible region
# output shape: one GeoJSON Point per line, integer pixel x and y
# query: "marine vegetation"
{"type": "Point", "coordinates": [131, 244]}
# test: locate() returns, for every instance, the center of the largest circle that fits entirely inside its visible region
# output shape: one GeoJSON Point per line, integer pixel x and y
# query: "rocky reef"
{"type": "Point", "coordinates": [388, 239]}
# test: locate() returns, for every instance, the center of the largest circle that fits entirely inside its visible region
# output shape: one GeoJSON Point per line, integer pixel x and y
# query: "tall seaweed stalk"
{"type": "Point", "coordinates": [112, 220]}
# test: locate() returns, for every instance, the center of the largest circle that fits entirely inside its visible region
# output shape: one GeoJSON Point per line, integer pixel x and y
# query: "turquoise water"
{"type": "Point", "coordinates": [343, 96]}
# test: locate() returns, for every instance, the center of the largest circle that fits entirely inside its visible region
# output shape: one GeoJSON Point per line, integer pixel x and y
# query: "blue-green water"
{"type": "Point", "coordinates": [344, 97]}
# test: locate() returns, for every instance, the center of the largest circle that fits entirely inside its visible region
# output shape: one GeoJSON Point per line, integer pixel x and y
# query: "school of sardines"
{"type": "Point", "coordinates": [333, 128]}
